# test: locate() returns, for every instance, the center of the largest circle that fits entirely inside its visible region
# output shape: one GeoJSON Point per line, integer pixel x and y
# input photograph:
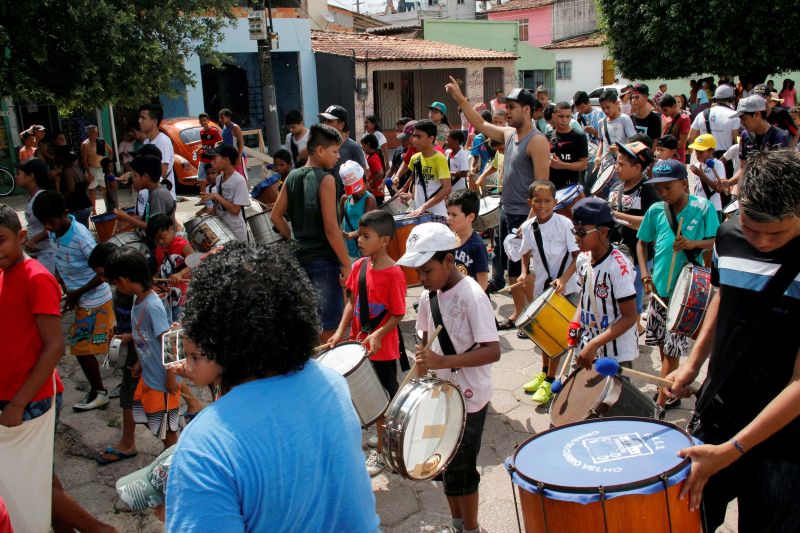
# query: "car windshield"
{"type": "Point", "coordinates": [190, 135]}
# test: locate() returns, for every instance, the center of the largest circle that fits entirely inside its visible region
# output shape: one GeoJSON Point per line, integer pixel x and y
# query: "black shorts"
{"type": "Point", "coordinates": [387, 374]}
{"type": "Point", "coordinates": [461, 477]}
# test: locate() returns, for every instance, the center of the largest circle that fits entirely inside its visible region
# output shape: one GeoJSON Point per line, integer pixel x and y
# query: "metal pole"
{"type": "Point", "coordinates": [114, 137]}
{"type": "Point", "coordinates": [268, 90]}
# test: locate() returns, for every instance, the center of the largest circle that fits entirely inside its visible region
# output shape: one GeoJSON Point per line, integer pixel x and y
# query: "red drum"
{"type": "Point", "coordinates": [689, 302]}
{"type": "Point", "coordinates": [403, 224]}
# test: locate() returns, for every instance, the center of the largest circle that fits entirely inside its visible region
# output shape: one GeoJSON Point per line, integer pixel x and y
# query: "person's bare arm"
{"type": "Point", "coordinates": [693, 134]}
{"type": "Point", "coordinates": [130, 219]}
{"type": "Point", "coordinates": [346, 321]}
{"type": "Point", "coordinates": [73, 297]}
{"type": "Point", "coordinates": [498, 133]}
{"type": "Point", "coordinates": [278, 210]}
{"type": "Point", "coordinates": [580, 164]}
{"type": "Point", "coordinates": [633, 221]}
{"type": "Point", "coordinates": [327, 204]}
{"type": "Point", "coordinates": [229, 206]}
{"type": "Point", "coordinates": [237, 132]}
{"type": "Point", "coordinates": [483, 280]}
{"type": "Point", "coordinates": [85, 155]}
{"type": "Point", "coordinates": [539, 151]}
{"type": "Point", "coordinates": [626, 321]}
{"type": "Point", "coordinates": [370, 204]}
{"type": "Point", "coordinates": [440, 196]}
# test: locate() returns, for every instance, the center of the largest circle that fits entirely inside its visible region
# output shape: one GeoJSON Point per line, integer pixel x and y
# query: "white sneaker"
{"type": "Point", "coordinates": [372, 440]}
{"type": "Point", "coordinates": [100, 400]}
{"type": "Point", "coordinates": [375, 463]}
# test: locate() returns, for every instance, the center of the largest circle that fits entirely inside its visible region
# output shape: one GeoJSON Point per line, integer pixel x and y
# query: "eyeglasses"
{"type": "Point", "coordinates": [582, 233]}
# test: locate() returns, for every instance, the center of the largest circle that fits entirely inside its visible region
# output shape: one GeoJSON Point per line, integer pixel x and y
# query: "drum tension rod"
{"type": "Point", "coordinates": [540, 485]}
{"type": "Point", "coordinates": [602, 493]}
{"type": "Point", "coordinates": [511, 471]}
{"type": "Point", "coordinates": [666, 497]}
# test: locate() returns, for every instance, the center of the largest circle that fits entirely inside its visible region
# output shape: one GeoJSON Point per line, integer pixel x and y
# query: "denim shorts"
{"type": "Point", "coordinates": [324, 275]}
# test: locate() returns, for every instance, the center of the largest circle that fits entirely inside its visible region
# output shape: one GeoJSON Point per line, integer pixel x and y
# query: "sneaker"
{"type": "Point", "coordinates": [114, 393]}
{"type": "Point", "coordinates": [672, 403]}
{"type": "Point", "coordinates": [544, 394]}
{"type": "Point", "coordinates": [88, 403]}
{"type": "Point", "coordinates": [375, 463]}
{"type": "Point", "coordinates": [372, 440]}
{"type": "Point", "coordinates": [494, 286]}
{"type": "Point", "coordinates": [534, 384]}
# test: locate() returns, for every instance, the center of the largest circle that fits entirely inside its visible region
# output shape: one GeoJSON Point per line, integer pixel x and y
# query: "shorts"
{"type": "Point", "coordinates": [324, 275]}
{"type": "Point", "coordinates": [129, 383]}
{"type": "Point", "coordinates": [461, 477]}
{"type": "Point", "coordinates": [98, 178]}
{"type": "Point", "coordinates": [92, 330]}
{"type": "Point", "coordinates": [159, 410]}
{"type": "Point", "coordinates": [38, 408]}
{"type": "Point", "coordinates": [387, 374]}
{"type": "Point", "coordinates": [657, 334]}
{"type": "Point", "coordinates": [508, 222]}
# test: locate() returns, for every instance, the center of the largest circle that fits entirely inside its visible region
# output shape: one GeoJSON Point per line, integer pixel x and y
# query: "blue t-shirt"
{"type": "Point", "coordinates": [72, 252]}
{"type": "Point", "coordinates": [265, 458]}
{"type": "Point", "coordinates": [472, 257]}
{"type": "Point", "coordinates": [149, 321]}
{"type": "Point", "coordinates": [480, 148]}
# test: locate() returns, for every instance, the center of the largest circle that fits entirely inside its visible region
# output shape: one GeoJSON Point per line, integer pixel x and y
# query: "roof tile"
{"type": "Point", "coordinates": [582, 41]}
{"type": "Point", "coordinates": [515, 5]}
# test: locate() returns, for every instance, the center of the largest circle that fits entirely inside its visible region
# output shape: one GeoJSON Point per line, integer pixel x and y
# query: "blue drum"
{"type": "Point", "coordinates": [566, 198]}
{"type": "Point", "coordinates": [612, 474]}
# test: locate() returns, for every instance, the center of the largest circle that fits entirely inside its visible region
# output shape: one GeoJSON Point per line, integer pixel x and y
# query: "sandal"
{"type": "Point", "coordinates": [506, 324]}
{"type": "Point", "coordinates": [120, 456]}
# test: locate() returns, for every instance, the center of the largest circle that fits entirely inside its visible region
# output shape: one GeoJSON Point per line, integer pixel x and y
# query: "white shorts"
{"type": "Point", "coordinates": [98, 179]}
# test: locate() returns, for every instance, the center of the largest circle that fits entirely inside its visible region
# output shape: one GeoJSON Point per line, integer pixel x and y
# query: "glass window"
{"type": "Point", "coordinates": [523, 30]}
{"type": "Point", "coordinates": [190, 135]}
{"type": "Point", "coordinates": [564, 70]}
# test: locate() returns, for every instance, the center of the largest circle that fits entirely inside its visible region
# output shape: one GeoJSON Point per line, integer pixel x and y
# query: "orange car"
{"type": "Point", "coordinates": [184, 132]}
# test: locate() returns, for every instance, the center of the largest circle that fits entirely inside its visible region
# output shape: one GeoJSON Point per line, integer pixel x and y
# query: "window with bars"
{"type": "Point", "coordinates": [523, 30]}
{"type": "Point", "coordinates": [564, 70]}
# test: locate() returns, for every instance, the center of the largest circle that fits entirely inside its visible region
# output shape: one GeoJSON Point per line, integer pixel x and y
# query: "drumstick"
{"type": "Point", "coordinates": [674, 256]}
{"type": "Point", "coordinates": [607, 366]}
{"type": "Point", "coordinates": [321, 348]}
{"type": "Point", "coordinates": [509, 287]}
{"type": "Point", "coordinates": [659, 300]}
{"type": "Point", "coordinates": [413, 371]}
{"type": "Point", "coordinates": [268, 207]}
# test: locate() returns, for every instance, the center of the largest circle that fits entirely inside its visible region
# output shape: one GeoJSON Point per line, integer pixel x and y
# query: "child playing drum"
{"type": "Point", "coordinates": [548, 239]}
{"type": "Point", "coordinates": [468, 341]}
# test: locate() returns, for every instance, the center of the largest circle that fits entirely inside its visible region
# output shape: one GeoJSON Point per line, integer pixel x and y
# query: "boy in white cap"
{"type": "Point", "coordinates": [468, 341]}
{"type": "Point", "coordinates": [356, 201]}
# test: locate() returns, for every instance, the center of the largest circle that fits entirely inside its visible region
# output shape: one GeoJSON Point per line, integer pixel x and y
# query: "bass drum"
{"type": "Point", "coordinates": [130, 239]}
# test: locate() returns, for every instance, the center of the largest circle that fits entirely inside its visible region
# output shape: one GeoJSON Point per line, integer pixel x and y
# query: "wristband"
{"type": "Point", "coordinates": [647, 278]}
{"type": "Point", "coordinates": [738, 446]}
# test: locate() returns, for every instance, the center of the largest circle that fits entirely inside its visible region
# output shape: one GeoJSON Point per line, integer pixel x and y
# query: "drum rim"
{"type": "Point", "coordinates": [392, 412]}
{"type": "Point", "coordinates": [598, 183]}
{"type": "Point", "coordinates": [254, 215]}
{"type": "Point", "coordinates": [340, 345]}
{"type": "Point", "coordinates": [606, 389]}
{"type": "Point", "coordinates": [681, 303]}
{"type": "Point", "coordinates": [607, 489]}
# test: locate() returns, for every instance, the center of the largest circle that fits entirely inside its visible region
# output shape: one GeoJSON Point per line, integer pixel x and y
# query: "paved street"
{"type": "Point", "coordinates": [404, 506]}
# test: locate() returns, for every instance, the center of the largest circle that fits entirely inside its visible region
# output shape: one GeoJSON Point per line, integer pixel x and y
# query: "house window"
{"type": "Point", "coordinates": [523, 30]}
{"type": "Point", "coordinates": [460, 2]}
{"type": "Point", "coordinates": [564, 70]}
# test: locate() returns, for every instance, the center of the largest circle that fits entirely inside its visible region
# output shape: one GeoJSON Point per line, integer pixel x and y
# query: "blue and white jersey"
{"type": "Point", "coordinates": [72, 263]}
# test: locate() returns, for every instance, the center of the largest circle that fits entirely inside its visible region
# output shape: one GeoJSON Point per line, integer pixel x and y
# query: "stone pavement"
{"type": "Point", "coordinates": [404, 506]}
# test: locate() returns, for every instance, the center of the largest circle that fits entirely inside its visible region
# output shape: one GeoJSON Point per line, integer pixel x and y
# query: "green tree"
{"type": "Point", "coordinates": [661, 39]}
{"type": "Point", "coordinates": [84, 53]}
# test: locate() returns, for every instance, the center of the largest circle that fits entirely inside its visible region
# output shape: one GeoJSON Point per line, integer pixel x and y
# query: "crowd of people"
{"type": "Point", "coordinates": [595, 204]}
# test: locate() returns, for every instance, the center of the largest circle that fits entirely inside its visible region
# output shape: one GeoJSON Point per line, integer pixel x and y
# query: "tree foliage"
{"type": "Point", "coordinates": [84, 53]}
{"type": "Point", "coordinates": [661, 39]}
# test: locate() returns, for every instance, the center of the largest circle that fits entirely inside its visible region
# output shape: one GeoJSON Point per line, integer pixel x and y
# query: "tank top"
{"type": "Point", "coordinates": [227, 134]}
{"type": "Point", "coordinates": [517, 174]}
{"type": "Point", "coordinates": [305, 213]}
{"type": "Point", "coordinates": [353, 211]}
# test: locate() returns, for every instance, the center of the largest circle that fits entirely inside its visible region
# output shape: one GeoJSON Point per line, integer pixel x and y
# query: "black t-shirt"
{"type": "Point", "coordinates": [781, 118]}
{"type": "Point", "coordinates": [650, 125]}
{"type": "Point", "coordinates": [569, 147]}
{"type": "Point", "coordinates": [636, 202]}
{"type": "Point", "coordinates": [754, 339]}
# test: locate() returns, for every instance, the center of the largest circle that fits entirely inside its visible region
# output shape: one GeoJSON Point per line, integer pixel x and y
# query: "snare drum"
{"type": "Point", "coordinates": [130, 239]}
{"type": "Point", "coordinates": [104, 225]}
{"type": "Point", "coordinates": [403, 224]}
{"type": "Point", "coordinates": [368, 395]}
{"type": "Point", "coordinates": [262, 228]}
{"type": "Point", "coordinates": [587, 394]}
{"type": "Point", "coordinates": [207, 231]}
{"type": "Point", "coordinates": [489, 214]}
{"type": "Point", "coordinates": [614, 474]}
{"type": "Point", "coordinates": [605, 182]}
{"type": "Point", "coordinates": [546, 322]}
{"type": "Point", "coordinates": [424, 425]}
{"type": "Point", "coordinates": [689, 302]}
{"type": "Point", "coordinates": [395, 206]}
{"type": "Point", "coordinates": [566, 198]}
{"type": "Point", "coordinates": [115, 352]}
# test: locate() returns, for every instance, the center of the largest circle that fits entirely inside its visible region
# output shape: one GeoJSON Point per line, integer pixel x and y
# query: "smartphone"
{"type": "Point", "coordinates": [172, 350]}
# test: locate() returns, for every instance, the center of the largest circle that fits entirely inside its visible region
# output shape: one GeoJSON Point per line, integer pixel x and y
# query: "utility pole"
{"type": "Point", "coordinates": [262, 33]}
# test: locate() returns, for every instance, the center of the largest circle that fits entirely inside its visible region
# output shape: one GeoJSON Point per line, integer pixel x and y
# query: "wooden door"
{"type": "Point", "coordinates": [609, 72]}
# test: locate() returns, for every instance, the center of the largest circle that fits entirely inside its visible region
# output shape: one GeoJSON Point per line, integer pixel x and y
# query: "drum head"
{"type": "Point", "coordinates": [602, 179]}
{"type": "Point", "coordinates": [583, 391]}
{"type": "Point", "coordinates": [434, 429]}
{"type": "Point", "coordinates": [682, 286]}
{"type": "Point", "coordinates": [533, 308]}
{"type": "Point", "coordinates": [344, 358]}
{"type": "Point", "coordinates": [489, 204]}
{"type": "Point", "coordinates": [619, 454]}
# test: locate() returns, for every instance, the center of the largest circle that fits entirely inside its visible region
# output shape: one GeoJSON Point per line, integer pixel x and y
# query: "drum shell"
{"type": "Point", "coordinates": [605, 182]}
{"type": "Point", "coordinates": [564, 207]}
{"type": "Point", "coordinates": [488, 218]}
{"type": "Point", "coordinates": [105, 225]}
{"type": "Point", "coordinates": [587, 394]}
{"type": "Point", "coordinates": [262, 228]}
{"type": "Point", "coordinates": [207, 232]}
{"type": "Point", "coordinates": [403, 225]}
{"type": "Point", "coordinates": [130, 239]}
{"type": "Point", "coordinates": [548, 325]}
{"type": "Point", "coordinates": [395, 206]}
{"type": "Point", "coordinates": [687, 311]}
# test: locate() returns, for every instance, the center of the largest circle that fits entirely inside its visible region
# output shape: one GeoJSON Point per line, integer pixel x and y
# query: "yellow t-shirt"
{"type": "Point", "coordinates": [497, 162]}
{"type": "Point", "coordinates": [432, 170]}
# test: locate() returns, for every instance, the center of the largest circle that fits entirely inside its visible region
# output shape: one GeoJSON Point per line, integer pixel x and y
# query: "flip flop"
{"type": "Point", "coordinates": [506, 324]}
{"type": "Point", "coordinates": [119, 456]}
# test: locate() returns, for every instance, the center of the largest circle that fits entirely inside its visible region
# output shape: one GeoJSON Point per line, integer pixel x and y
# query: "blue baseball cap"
{"type": "Point", "coordinates": [668, 170]}
{"type": "Point", "coordinates": [592, 210]}
{"type": "Point", "coordinates": [438, 106]}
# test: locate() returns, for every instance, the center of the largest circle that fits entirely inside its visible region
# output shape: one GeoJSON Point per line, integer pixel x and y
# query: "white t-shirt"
{"type": "Point", "coordinates": [558, 241]}
{"type": "Point", "coordinates": [723, 122]}
{"type": "Point", "coordinates": [163, 143]}
{"type": "Point", "coordinates": [458, 163]}
{"type": "Point", "coordinates": [468, 318]}
{"type": "Point", "coordinates": [300, 144]}
{"type": "Point", "coordinates": [613, 280]}
{"type": "Point", "coordinates": [617, 130]}
{"type": "Point", "coordinates": [715, 199]}
{"type": "Point", "coordinates": [381, 138]}
{"type": "Point", "coordinates": [141, 201]}
{"type": "Point", "coordinates": [234, 189]}
{"type": "Point", "coordinates": [732, 155]}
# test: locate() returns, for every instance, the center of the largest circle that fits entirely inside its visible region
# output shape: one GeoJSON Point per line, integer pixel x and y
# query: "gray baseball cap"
{"type": "Point", "coordinates": [751, 104]}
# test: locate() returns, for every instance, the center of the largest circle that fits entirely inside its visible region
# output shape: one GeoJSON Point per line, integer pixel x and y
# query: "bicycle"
{"type": "Point", "coordinates": [7, 182]}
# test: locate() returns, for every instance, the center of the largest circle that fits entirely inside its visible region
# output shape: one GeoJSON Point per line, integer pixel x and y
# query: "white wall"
{"type": "Point", "coordinates": [587, 71]}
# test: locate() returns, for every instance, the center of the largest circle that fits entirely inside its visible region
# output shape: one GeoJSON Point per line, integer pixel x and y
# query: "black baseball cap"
{"type": "Point", "coordinates": [592, 210]}
{"type": "Point", "coordinates": [641, 88]}
{"type": "Point", "coordinates": [669, 142]}
{"type": "Point", "coordinates": [224, 150]}
{"type": "Point", "coordinates": [35, 166]}
{"type": "Point", "coordinates": [335, 112]}
{"type": "Point", "coordinates": [523, 96]}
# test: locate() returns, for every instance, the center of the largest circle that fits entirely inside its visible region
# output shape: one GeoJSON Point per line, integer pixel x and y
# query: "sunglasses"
{"type": "Point", "coordinates": [582, 233]}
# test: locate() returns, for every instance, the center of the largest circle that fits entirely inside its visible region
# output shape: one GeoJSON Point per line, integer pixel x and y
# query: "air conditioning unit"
{"type": "Point", "coordinates": [258, 25]}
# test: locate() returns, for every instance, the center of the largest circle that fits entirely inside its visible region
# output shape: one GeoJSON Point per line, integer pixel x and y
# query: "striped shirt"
{"type": "Point", "coordinates": [72, 263]}
{"type": "Point", "coordinates": [612, 279]}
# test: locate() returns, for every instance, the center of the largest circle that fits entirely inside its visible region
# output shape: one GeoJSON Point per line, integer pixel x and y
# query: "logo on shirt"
{"type": "Point", "coordinates": [601, 290]}
{"type": "Point", "coordinates": [462, 269]}
{"type": "Point", "coordinates": [468, 394]}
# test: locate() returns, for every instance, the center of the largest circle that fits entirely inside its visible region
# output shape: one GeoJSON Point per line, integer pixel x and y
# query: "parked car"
{"type": "Point", "coordinates": [184, 132]}
{"type": "Point", "coordinates": [594, 96]}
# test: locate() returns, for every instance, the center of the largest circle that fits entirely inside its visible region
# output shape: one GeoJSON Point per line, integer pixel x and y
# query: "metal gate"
{"type": "Point", "coordinates": [408, 93]}
{"type": "Point", "coordinates": [493, 81]}
{"type": "Point", "coordinates": [531, 79]}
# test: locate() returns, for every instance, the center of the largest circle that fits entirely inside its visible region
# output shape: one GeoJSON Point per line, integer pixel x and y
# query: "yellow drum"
{"type": "Point", "coordinates": [546, 322]}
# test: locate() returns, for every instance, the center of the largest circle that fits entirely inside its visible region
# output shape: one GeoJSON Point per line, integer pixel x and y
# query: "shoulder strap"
{"type": "Point", "coordinates": [707, 117]}
{"type": "Point", "coordinates": [368, 324]}
{"type": "Point", "coordinates": [444, 338]}
{"type": "Point", "coordinates": [605, 129]}
{"type": "Point", "coordinates": [691, 255]}
{"type": "Point", "coordinates": [537, 235]}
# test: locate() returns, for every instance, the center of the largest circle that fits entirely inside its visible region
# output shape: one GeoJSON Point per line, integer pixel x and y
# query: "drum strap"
{"type": "Point", "coordinates": [369, 326]}
{"type": "Point", "coordinates": [444, 338]}
{"type": "Point", "coordinates": [691, 255]}
{"type": "Point", "coordinates": [537, 235]}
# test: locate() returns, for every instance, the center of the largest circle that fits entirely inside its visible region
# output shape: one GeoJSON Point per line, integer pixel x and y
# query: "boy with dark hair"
{"type": "Point", "coordinates": [468, 341]}
{"type": "Point", "coordinates": [32, 175]}
{"type": "Point", "coordinates": [569, 150]}
{"type": "Point", "coordinates": [209, 138]}
{"type": "Point", "coordinates": [429, 168]}
{"type": "Point", "coordinates": [146, 175]}
{"type": "Point", "coordinates": [170, 254]}
{"type": "Point", "coordinates": [384, 301]}
{"type": "Point", "coordinates": [479, 152]}
{"type": "Point", "coordinates": [150, 116]}
{"type": "Point", "coordinates": [616, 127]}
{"type": "Point", "coordinates": [607, 308]}
{"type": "Point", "coordinates": [231, 195]}
{"type": "Point", "coordinates": [297, 138]}
{"type": "Point", "coordinates": [471, 256]}
{"type": "Point", "coordinates": [396, 160]}
{"type": "Point", "coordinates": [458, 159]}
{"type": "Point", "coordinates": [232, 135]}
{"type": "Point", "coordinates": [86, 292]}
{"type": "Point", "coordinates": [268, 188]}
{"type": "Point", "coordinates": [349, 150]}
{"type": "Point", "coordinates": [156, 401]}
{"type": "Point", "coordinates": [677, 125]}
{"type": "Point", "coordinates": [698, 223]}
{"type": "Point", "coordinates": [645, 120]}
{"type": "Point", "coordinates": [309, 197]}
{"type": "Point", "coordinates": [666, 147]}
{"type": "Point", "coordinates": [111, 195]}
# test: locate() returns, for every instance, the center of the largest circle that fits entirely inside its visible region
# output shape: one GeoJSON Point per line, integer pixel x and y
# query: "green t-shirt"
{"type": "Point", "coordinates": [700, 222]}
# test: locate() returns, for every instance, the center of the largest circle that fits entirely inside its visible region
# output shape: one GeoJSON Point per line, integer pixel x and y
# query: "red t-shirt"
{"type": "Point", "coordinates": [678, 127]}
{"type": "Point", "coordinates": [27, 289]}
{"type": "Point", "coordinates": [386, 289]}
{"type": "Point", "coordinates": [5, 520]}
{"type": "Point", "coordinates": [208, 140]}
{"type": "Point", "coordinates": [169, 259]}
{"type": "Point", "coordinates": [375, 166]}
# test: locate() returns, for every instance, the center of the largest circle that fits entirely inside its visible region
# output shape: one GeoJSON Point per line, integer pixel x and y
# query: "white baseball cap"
{"type": "Point", "coordinates": [424, 241]}
{"type": "Point", "coordinates": [352, 175]}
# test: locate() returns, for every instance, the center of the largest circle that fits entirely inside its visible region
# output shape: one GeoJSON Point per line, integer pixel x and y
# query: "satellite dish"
{"type": "Point", "coordinates": [327, 16]}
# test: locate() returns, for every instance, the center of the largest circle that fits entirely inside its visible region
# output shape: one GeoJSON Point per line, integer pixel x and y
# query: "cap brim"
{"type": "Point", "coordinates": [328, 116]}
{"type": "Point", "coordinates": [665, 179]}
{"type": "Point", "coordinates": [402, 136]}
{"type": "Point", "coordinates": [415, 259]}
{"type": "Point", "coordinates": [698, 147]}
